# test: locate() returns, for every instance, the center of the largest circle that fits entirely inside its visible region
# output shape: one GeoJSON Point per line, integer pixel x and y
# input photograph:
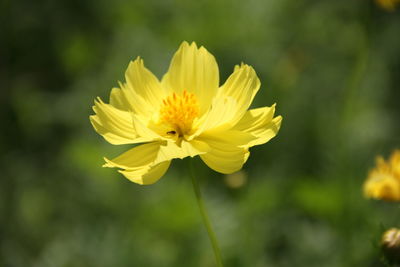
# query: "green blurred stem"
{"type": "Point", "coordinates": [204, 215]}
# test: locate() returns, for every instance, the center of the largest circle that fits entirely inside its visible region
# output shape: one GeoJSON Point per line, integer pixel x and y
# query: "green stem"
{"type": "Point", "coordinates": [204, 215]}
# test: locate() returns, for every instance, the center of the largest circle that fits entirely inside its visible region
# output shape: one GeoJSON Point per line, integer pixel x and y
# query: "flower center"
{"type": "Point", "coordinates": [179, 111]}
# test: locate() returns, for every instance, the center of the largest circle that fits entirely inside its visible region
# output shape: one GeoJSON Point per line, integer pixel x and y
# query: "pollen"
{"type": "Point", "coordinates": [179, 112]}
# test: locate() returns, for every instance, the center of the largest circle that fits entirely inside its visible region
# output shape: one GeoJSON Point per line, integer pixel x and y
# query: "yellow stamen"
{"type": "Point", "coordinates": [179, 111]}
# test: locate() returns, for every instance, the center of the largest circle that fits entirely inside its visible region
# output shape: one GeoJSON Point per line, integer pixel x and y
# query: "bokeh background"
{"type": "Point", "coordinates": [332, 67]}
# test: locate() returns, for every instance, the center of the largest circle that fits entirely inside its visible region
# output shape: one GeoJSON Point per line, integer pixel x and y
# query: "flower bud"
{"type": "Point", "coordinates": [390, 245]}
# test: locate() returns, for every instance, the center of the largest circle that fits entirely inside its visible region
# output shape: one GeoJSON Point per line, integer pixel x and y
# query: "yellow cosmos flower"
{"type": "Point", "coordinates": [383, 182]}
{"type": "Point", "coordinates": [389, 5]}
{"type": "Point", "coordinates": [185, 114]}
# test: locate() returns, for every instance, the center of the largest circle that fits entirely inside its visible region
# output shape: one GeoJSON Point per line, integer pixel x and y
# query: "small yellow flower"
{"type": "Point", "coordinates": [383, 182]}
{"type": "Point", "coordinates": [389, 5]}
{"type": "Point", "coordinates": [185, 114]}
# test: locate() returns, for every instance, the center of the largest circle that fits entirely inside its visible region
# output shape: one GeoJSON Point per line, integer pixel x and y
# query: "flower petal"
{"type": "Point", "coordinates": [141, 127]}
{"type": "Point", "coordinates": [139, 165]}
{"type": "Point", "coordinates": [142, 88]}
{"type": "Point", "coordinates": [260, 123]}
{"type": "Point", "coordinates": [172, 151]}
{"type": "Point", "coordinates": [242, 85]}
{"type": "Point", "coordinates": [118, 100]}
{"type": "Point", "coordinates": [115, 125]}
{"type": "Point", "coordinates": [232, 101]}
{"type": "Point", "coordinates": [144, 163]}
{"type": "Point", "coordinates": [228, 150]}
{"type": "Point", "coordinates": [136, 103]}
{"type": "Point", "coordinates": [139, 156]}
{"type": "Point", "coordinates": [225, 159]}
{"type": "Point", "coordinates": [194, 70]}
{"type": "Point", "coordinates": [147, 175]}
{"type": "Point", "coordinates": [221, 112]}
{"type": "Point", "coordinates": [229, 137]}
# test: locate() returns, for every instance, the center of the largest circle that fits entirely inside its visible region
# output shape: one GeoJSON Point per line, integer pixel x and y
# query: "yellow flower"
{"type": "Point", "coordinates": [390, 245]}
{"type": "Point", "coordinates": [383, 182]}
{"type": "Point", "coordinates": [185, 114]}
{"type": "Point", "coordinates": [389, 5]}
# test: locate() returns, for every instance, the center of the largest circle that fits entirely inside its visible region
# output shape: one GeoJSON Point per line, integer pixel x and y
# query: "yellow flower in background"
{"type": "Point", "coordinates": [383, 181]}
{"type": "Point", "coordinates": [390, 245]}
{"type": "Point", "coordinates": [185, 114]}
{"type": "Point", "coordinates": [389, 5]}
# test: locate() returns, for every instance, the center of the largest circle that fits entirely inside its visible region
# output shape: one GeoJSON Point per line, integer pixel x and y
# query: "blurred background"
{"type": "Point", "coordinates": [332, 67]}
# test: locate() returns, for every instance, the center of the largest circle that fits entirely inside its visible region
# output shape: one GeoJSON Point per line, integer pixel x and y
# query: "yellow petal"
{"type": "Point", "coordinates": [242, 85]}
{"type": "Point", "coordinates": [227, 152]}
{"type": "Point", "coordinates": [147, 175]}
{"type": "Point", "coordinates": [118, 100]}
{"type": "Point", "coordinates": [225, 159]}
{"type": "Point", "coordinates": [139, 156]}
{"type": "Point", "coordinates": [219, 117]}
{"type": "Point", "coordinates": [141, 126]}
{"type": "Point", "coordinates": [229, 137]}
{"type": "Point", "coordinates": [146, 163]}
{"type": "Point", "coordinates": [171, 150]}
{"type": "Point", "coordinates": [139, 165]}
{"type": "Point", "coordinates": [232, 101]}
{"type": "Point", "coordinates": [136, 103]}
{"type": "Point", "coordinates": [142, 88]}
{"type": "Point", "coordinates": [115, 125]}
{"type": "Point", "coordinates": [260, 123]}
{"type": "Point", "coordinates": [194, 70]}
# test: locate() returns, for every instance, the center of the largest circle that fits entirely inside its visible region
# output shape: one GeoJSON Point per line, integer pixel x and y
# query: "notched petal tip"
{"type": "Point", "coordinates": [194, 47]}
{"type": "Point", "coordinates": [133, 65]}
{"type": "Point", "coordinates": [245, 71]}
{"type": "Point", "coordinates": [242, 66]}
{"type": "Point", "coordinates": [95, 101]}
{"type": "Point", "coordinates": [94, 121]}
{"type": "Point", "coordinates": [137, 60]}
{"type": "Point", "coordinates": [108, 163]}
{"type": "Point", "coordinates": [186, 44]}
{"type": "Point", "coordinates": [276, 124]}
{"type": "Point", "coordinates": [278, 118]}
{"type": "Point", "coordinates": [204, 50]}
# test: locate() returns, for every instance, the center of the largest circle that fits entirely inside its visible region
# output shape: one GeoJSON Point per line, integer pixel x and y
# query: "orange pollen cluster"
{"type": "Point", "coordinates": [179, 111]}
